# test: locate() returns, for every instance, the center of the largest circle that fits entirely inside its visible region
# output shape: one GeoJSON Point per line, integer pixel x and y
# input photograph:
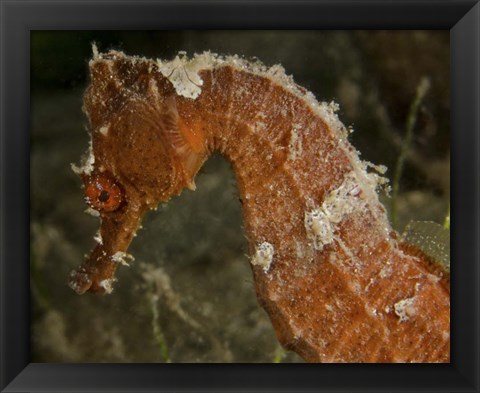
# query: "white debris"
{"type": "Point", "coordinates": [183, 72]}
{"type": "Point", "coordinates": [320, 222]}
{"type": "Point", "coordinates": [343, 200]}
{"type": "Point", "coordinates": [92, 212]}
{"type": "Point", "coordinates": [386, 271]}
{"type": "Point", "coordinates": [319, 228]}
{"type": "Point", "coordinates": [295, 143]}
{"type": "Point", "coordinates": [87, 162]}
{"type": "Point", "coordinates": [432, 278]}
{"type": "Point", "coordinates": [94, 51]}
{"type": "Point", "coordinates": [122, 257]}
{"type": "Point", "coordinates": [104, 130]}
{"type": "Point", "coordinates": [98, 237]}
{"type": "Point", "coordinates": [107, 285]}
{"type": "Point", "coordinates": [263, 256]}
{"type": "Point", "coordinates": [405, 309]}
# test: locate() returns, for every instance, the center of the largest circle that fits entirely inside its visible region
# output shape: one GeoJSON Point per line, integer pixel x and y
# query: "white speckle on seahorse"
{"type": "Point", "coordinates": [405, 309]}
{"type": "Point", "coordinates": [98, 237]}
{"type": "Point", "coordinates": [295, 143]}
{"type": "Point", "coordinates": [183, 73]}
{"type": "Point", "coordinates": [107, 285]}
{"type": "Point", "coordinates": [122, 257]}
{"type": "Point", "coordinates": [319, 229]}
{"type": "Point", "coordinates": [320, 222]}
{"type": "Point", "coordinates": [263, 256]}
{"type": "Point", "coordinates": [92, 212]}
{"type": "Point", "coordinates": [104, 130]}
{"type": "Point", "coordinates": [88, 160]}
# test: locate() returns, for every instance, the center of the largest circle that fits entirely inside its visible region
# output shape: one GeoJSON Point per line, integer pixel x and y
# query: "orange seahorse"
{"type": "Point", "coordinates": [330, 272]}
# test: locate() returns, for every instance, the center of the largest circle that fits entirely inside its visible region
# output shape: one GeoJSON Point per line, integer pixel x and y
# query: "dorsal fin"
{"type": "Point", "coordinates": [432, 239]}
{"type": "Point", "coordinates": [184, 147]}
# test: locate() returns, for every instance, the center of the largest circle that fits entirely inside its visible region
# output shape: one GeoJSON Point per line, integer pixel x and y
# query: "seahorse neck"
{"type": "Point", "coordinates": [315, 226]}
{"type": "Point", "coordinates": [290, 162]}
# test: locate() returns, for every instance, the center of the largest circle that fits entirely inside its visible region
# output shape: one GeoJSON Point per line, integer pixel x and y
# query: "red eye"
{"type": "Point", "coordinates": [102, 193]}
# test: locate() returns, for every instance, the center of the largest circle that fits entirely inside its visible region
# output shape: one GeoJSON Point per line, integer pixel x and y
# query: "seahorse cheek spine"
{"type": "Point", "coordinates": [337, 285]}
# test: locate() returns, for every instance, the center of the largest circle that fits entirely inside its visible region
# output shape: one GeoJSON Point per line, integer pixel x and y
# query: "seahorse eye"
{"type": "Point", "coordinates": [103, 193]}
{"type": "Point", "coordinates": [103, 197]}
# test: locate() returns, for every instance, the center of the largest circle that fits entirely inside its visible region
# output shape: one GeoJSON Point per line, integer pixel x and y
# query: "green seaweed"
{"type": "Point", "coordinates": [421, 92]}
{"type": "Point", "coordinates": [157, 331]}
{"type": "Point", "coordinates": [446, 223]}
{"type": "Point", "coordinates": [279, 355]}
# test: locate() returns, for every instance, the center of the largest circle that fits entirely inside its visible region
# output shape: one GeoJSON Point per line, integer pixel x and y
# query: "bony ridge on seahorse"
{"type": "Point", "coordinates": [337, 283]}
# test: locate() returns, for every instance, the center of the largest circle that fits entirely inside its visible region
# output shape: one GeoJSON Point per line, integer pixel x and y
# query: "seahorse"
{"type": "Point", "coordinates": [337, 282]}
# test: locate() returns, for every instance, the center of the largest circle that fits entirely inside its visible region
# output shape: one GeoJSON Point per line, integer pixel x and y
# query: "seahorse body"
{"type": "Point", "coordinates": [336, 283]}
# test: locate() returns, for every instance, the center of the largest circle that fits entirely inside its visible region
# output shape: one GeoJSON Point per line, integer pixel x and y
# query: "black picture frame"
{"type": "Point", "coordinates": [19, 17]}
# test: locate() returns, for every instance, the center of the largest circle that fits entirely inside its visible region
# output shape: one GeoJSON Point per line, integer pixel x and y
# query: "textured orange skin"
{"type": "Point", "coordinates": [336, 304]}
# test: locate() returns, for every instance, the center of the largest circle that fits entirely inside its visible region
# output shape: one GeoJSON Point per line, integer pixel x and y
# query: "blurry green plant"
{"type": "Point", "coordinates": [279, 355]}
{"type": "Point", "coordinates": [157, 331]}
{"type": "Point", "coordinates": [446, 223]}
{"type": "Point", "coordinates": [421, 92]}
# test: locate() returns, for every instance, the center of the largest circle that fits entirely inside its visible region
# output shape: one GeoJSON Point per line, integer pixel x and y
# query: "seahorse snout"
{"type": "Point", "coordinates": [80, 281]}
{"type": "Point", "coordinates": [95, 275]}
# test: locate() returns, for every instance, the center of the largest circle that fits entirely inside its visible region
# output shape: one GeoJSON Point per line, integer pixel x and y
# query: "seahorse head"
{"type": "Point", "coordinates": [140, 154]}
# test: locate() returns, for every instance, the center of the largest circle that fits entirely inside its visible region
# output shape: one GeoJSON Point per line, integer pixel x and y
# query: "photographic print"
{"type": "Point", "coordinates": [240, 196]}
